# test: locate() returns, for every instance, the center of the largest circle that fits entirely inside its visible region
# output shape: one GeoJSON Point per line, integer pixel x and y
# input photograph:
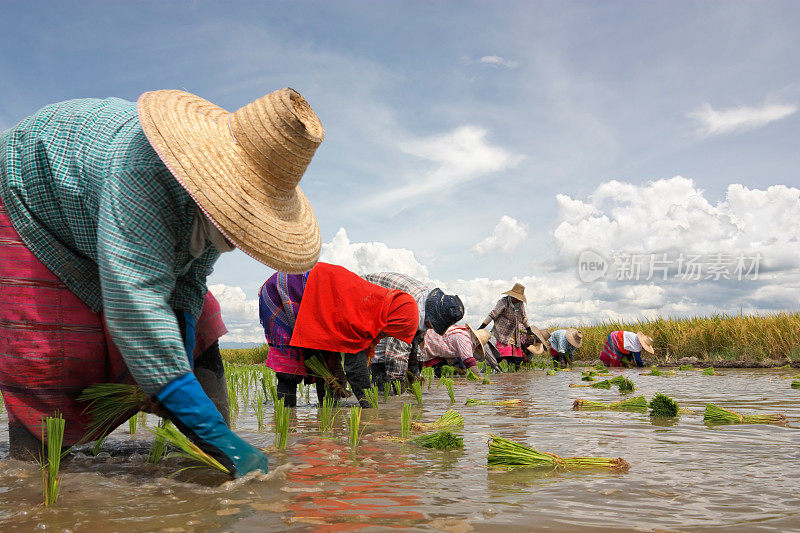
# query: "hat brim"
{"type": "Point", "coordinates": [477, 341]}
{"type": "Point", "coordinates": [573, 339]}
{"type": "Point", "coordinates": [646, 342]}
{"type": "Point", "coordinates": [536, 349]}
{"type": "Point", "coordinates": [193, 139]}
{"type": "Point", "coordinates": [517, 295]}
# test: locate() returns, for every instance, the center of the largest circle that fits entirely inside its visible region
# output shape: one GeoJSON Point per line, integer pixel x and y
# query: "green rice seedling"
{"type": "Point", "coordinates": [550, 372]}
{"type": "Point", "coordinates": [624, 384]}
{"type": "Point", "coordinates": [587, 378]}
{"type": "Point", "coordinates": [186, 449]}
{"type": "Point", "coordinates": [605, 384]}
{"type": "Point", "coordinates": [631, 404]}
{"type": "Point", "coordinates": [428, 375]}
{"type": "Point", "coordinates": [600, 366]}
{"type": "Point", "coordinates": [355, 426]}
{"type": "Point", "coordinates": [50, 460]}
{"type": "Point", "coordinates": [233, 401]}
{"type": "Point", "coordinates": [449, 420]}
{"type": "Point", "coordinates": [507, 453]}
{"type": "Point", "coordinates": [327, 413]}
{"type": "Point", "coordinates": [447, 371]}
{"type": "Point", "coordinates": [503, 365]}
{"type": "Point", "coordinates": [106, 403]}
{"type": "Point", "coordinates": [159, 443]}
{"type": "Point", "coordinates": [796, 384]}
{"type": "Point", "coordinates": [441, 440]}
{"type": "Point", "coordinates": [282, 416]}
{"type": "Point", "coordinates": [372, 395]}
{"type": "Point", "coordinates": [503, 403]}
{"type": "Point", "coordinates": [387, 391]}
{"type": "Point", "coordinates": [472, 376]}
{"type": "Point", "coordinates": [685, 367]}
{"type": "Point", "coordinates": [132, 423]}
{"type": "Point", "coordinates": [450, 392]}
{"type": "Point", "coordinates": [143, 419]}
{"type": "Point", "coordinates": [709, 371]}
{"type": "Point", "coordinates": [258, 410]}
{"type": "Point", "coordinates": [717, 415]}
{"type": "Point", "coordinates": [319, 369]}
{"type": "Point", "coordinates": [416, 390]}
{"type": "Point", "coordinates": [485, 381]}
{"type": "Point", "coordinates": [589, 373]}
{"type": "Point", "coordinates": [663, 406]}
{"type": "Point", "coordinates": [654, 371]}
{"type": "Point", "coordinates": [405, 421]}
{"type": "Point", "coordinates": [398, 387]}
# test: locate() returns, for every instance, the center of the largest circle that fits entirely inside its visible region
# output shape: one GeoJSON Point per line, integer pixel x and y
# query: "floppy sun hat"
{"type": "Point", "coordinates": [242, 168]}
{"type": "Point", "coordinates": [645, 341]}
{"type": "Point", "coordinates": [574, 337]}
{"type": "Point", "coordinates": [518, 292]}
{"type": "Point", "coordinates": [482, 336]}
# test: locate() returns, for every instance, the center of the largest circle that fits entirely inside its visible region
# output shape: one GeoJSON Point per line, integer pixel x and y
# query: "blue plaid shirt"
{"type": "Point", "coordinates": [558, 341]}
{"type": "Point", "coordinates": [92, 200]}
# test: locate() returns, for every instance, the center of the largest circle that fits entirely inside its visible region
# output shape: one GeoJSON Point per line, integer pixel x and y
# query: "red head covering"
{"type": "Point", "coordinates": [342, 312]}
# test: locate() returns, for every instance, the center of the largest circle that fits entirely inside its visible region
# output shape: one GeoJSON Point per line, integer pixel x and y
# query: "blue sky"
{"type": "Point", "coordinates": [443, 118]}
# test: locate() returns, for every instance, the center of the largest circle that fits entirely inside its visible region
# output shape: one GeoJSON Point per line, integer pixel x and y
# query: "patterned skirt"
{"type": "Point", "coordinates": [611, 355]}
{"type": "Point", "coordinates": [508, 351]}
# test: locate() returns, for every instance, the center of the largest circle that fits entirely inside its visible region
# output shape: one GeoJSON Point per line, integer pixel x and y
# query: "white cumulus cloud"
{"type": "Point", "coordinates": [456, 157]}
{"type": "Point", "coordinates": [366, 257]}
{"type": "Point", "coordinates": [711, 121]}
{"type": "Point", "coordinates": [498, 61]}
{"type": "Point", "coordinates": [508, 234]}
{"type": "Point", "coordinates": [239, 313]}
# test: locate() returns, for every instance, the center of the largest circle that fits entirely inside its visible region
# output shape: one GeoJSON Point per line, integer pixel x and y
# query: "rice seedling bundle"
{"type": "Point", "coordinates": [440, 440]}
{"type": "Point", "coordinates": [106, 403]}
{"type": "Point", "coordinates": [282, 415]}
{"type": "Point", "coordinates": [387, 391]}
{"type": "Point", "coordinates": [50, 460]}
{"type": "Point", "coordinates": [398, 387]}
{"type": "Point", "coordinates": [550, 372]}
{"type": "Point", "coordinates": [132, 423]}
{"type": "Point", "coordinates": [624, 384]}
{"type": "Point", "coordinates": [589, 373]}
{"type": "Point", "coordinates": [159, 443]}
{"type": "Point", "coordinates": [654, 371]}
{"type": "Point", "coordinates": [605, 384]}
{"type": "Point", "coordinates": [685, 367]}
{"type": "Point", "coordinates": [258, 410]}
{"type": "Point", "coordinates": [416, 389]}
{"type": "Point", "coordinates": [709, 371]}
{"type": "Point", "coordinates": [663, 406]}
{"type": "Point", "coordinates": [507, 453]}
{"type": "Point", "coordinates": [372, 396]}
{"type": "Point", "coordinates": [449, 420]}
{"type": "Point", "coordinates": [503, 403]}
{"type": "Point", "coordinates": [587, 378]}
{"type": "Point", "coordinates": [355, 426]}
{"type": "Point", "coordinates": [796, 384]}
{"type": "Point", "coordinates": [717, 415]}
{"type": "Point", "coordinates": [327, 413]}
{"type": "Point", "coordinates": [405, 421]}
{"type": "Point", "coordinates": [472, 376]}
{"type": "Point", "coordinates": [631, 404]}
{"type": "Point", "coordinates": [600, 366]}
{"type": "Point", "coordinates": [319, 369]}
{"type": "Point", "coordinates": [186, 449]}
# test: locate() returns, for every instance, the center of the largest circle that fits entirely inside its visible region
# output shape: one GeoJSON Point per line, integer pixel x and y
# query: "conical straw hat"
{"type": "Point", "coordinates": [518, 292]}
{"type": "Point", "coordinates": [482, 336]}
{"type": "Point", "coordinates": [645, 341]}
{"type": "Point", "coordinates": [242, 168]}
{"type": "Point", "coordinates": [574, 337]}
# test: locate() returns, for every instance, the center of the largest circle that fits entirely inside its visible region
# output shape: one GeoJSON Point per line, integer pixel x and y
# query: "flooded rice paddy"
{"type": "Point", "coordinates": [684, 475]}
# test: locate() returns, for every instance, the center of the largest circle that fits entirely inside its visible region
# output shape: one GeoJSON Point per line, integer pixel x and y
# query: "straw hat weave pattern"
{"type": "Point", "coordinates": [242, 168]}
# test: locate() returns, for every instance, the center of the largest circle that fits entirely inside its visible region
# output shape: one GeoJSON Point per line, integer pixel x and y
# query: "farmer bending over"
{"type": "Point", "coordinates": [324, 313]}
{"type": "Point", "coordinates": [398, 359]}
{"type": "Point", "coordinates": [113, 215]}
{"type": "Point", "coordinates": [563, 343]}
{"type": "Point", "coordinates": [460, 346]}
{"type": "Point", "coordinates": [624, 348]}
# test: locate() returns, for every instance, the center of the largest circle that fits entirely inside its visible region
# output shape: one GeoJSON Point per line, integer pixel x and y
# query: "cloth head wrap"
{"type": "Point", "coordinates": [443, 310]}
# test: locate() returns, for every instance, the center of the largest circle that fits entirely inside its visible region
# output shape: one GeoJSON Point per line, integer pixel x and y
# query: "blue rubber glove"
{"type": "Point", "coordinates": [196, 416]}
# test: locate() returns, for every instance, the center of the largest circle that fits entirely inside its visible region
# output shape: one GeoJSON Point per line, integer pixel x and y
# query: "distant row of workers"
{"type": "Point", "coordinates": [386, 326]}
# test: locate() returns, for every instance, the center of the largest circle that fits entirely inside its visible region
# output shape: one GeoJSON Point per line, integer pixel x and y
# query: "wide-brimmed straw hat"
{"type": "Point", "coordinates": [482, 336]}
{"type": "Point", "coordinates": [545, 333]}
{"type": "Point", "coordinates": [242, 168]}
{"type": "Point", "coordinates": [574, 337]}
{"type": "Point", "coordinates": [645, 341]}
{"type": "Point", "coordinates": [518, 292]}
{"type": "Point", "coordinates": [536, 349]}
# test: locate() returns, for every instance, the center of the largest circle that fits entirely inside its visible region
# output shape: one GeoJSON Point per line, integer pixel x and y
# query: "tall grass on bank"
{"type": "Point", "coordinates": [50, 460]}
{"type": "Point", "coordinates": [246, 356]}
{"type": "Point", "coordinates": [727, 337]}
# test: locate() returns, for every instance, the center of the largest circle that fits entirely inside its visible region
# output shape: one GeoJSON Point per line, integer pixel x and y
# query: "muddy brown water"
{"type": "Point", "coordinates": [684, 475]}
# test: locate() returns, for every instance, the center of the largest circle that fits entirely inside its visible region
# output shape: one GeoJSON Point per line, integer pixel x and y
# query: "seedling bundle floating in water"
{"type": "Point", "coordinates": [624, 384]}
{"type": "Point", "coordinates": [450, 420]}
{"type": "Point", "coordinates": [717, 415]}
{"type": "Point", "coordinates": [796, 384]}
{"type": "Point", "coordinates": [709, 371]}
{"type": "Point", "coordinates": [502, 403]}
{"type": "Point", "coordinates": [663, 406]}
{"type": "Point", "coordinates": [441, 440]}
{"type": "Point", "coordinates": [507, 453]}
{"type": "Point", "coordinates": [631, 404]}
